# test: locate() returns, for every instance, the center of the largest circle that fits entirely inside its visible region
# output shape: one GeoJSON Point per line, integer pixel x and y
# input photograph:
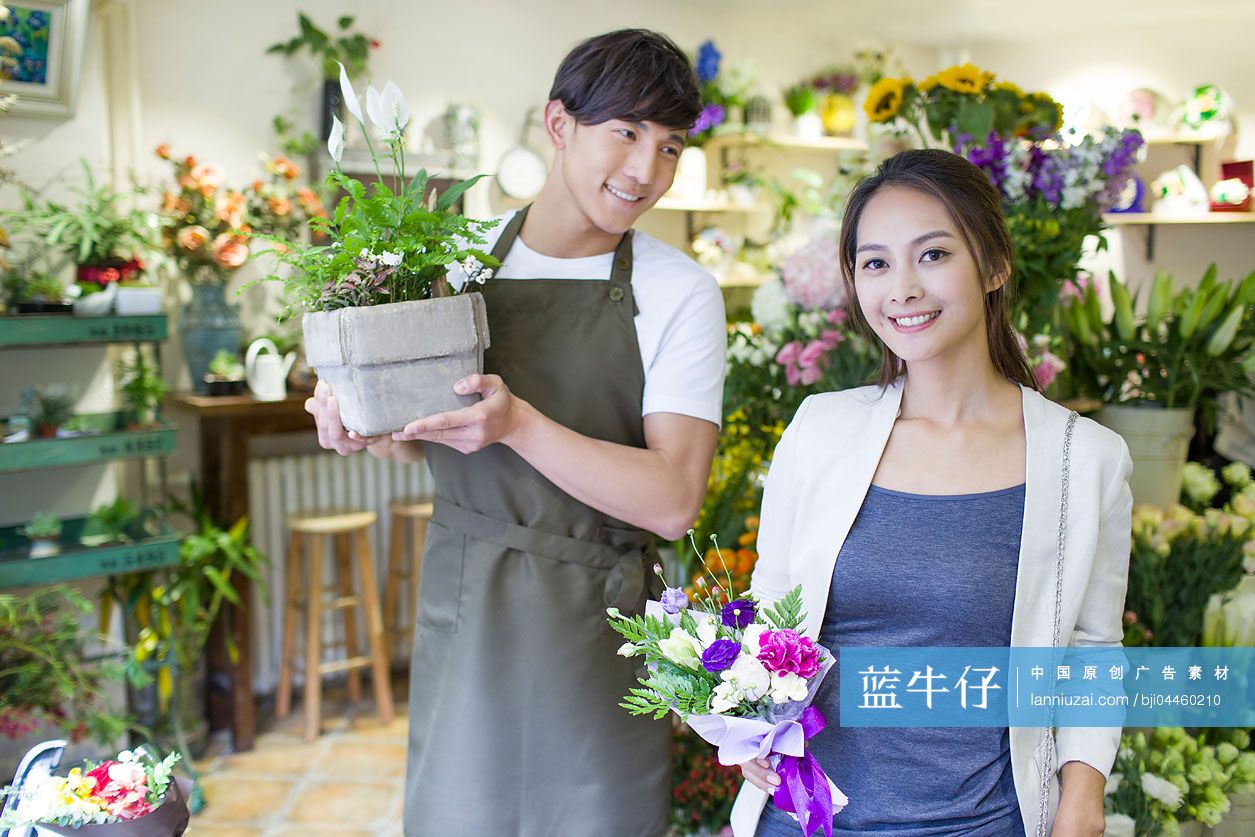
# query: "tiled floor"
{"type": "Point", "coordinates": [348, 782]}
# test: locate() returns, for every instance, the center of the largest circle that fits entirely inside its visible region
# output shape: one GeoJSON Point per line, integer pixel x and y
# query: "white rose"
{"type": "Point", "coordinates": [752, 639]}
{"type": "Point", "coordinates": [726, 697]}
{"type": "Point", "coordinates": [682, 649]}
{"type": "Point", "coordinates": [1113, 784]}
{"type": "Point", "coordinates": [1120, 825]}
{"type": "Point", "coordinates": [1162, 790]}
{"type": "Point", "coordinates": [707, 633]}
{"type": "Point", "coordinates": [749, 676]}
{"type": "Point", "coordinates": [787, 688]}
{"type": "Point", "coordinates": [771, 306]}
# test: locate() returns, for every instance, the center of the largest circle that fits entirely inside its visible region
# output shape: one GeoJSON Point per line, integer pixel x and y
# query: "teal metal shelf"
{"type": "Point", "coordinates": [35, 330]}
{"type": "Point", "coordinates": [114, 441]}
{"type": "Point", "coordinates": [148, 551]}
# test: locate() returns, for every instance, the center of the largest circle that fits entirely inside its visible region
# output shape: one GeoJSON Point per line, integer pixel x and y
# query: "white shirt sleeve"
{"type": "Point", "coordinates": [686, 375]}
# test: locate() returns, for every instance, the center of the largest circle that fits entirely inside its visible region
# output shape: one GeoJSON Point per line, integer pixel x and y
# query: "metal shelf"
{"type": "Point", "coordinates": [39, 330]}
{"type": "Point", "coordinates": [114, 441]}
{"type": "Point", "coordinates": [146, 552]}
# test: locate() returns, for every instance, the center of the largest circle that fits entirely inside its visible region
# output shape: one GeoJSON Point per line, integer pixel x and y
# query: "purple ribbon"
{"type": "Point", "coordinates": [804, 788]}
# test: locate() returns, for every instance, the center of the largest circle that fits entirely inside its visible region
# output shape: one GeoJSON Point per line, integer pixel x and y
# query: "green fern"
{"type": "Point", "coordinates": [787, 613]}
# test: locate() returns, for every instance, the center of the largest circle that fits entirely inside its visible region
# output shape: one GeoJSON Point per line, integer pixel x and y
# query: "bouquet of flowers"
{"type": "Point", "coordinates": [742, 677]}
{"type": "Point", "coordinates": [135, 788]}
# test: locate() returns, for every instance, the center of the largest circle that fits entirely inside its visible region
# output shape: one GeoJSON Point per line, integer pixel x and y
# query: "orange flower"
{"type": "Point", "coordinates": [187, 182]}
{"type": "Point", "coordinates": [192, 238]}
{"type": "Point", "coordinates": [258, 185]}
{"type": "Point", "coordinates": [745, 561]}
{"type": "Point", "coordinates": [230, 209]}
{"type": "Point", "coordinates": [285, 168]}
{"type": "Point", "coordinates": [189, 161]}
{"type": "Point", "coordinates": [280, 206]}
{"type": "Point", "coordinates": [751, 523]}
{"type": "Point", "coordinates": [209, 175]}
{"type": "Point", "coordinates": [175, 205]}
{"type": "Point", "coordinates": [163, 151]}
{"type": "Point", "coordinates": [747, 539]}
{"type": "Point", "coordinates": [230, 250]}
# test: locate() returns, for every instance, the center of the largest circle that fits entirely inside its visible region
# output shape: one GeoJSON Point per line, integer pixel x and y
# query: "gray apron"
{"type": "Point", "coordinates": [515, 727]}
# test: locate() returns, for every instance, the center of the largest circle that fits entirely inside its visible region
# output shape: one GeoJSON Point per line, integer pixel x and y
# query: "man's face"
{"type": "Point", "coordinates": [616, 170]}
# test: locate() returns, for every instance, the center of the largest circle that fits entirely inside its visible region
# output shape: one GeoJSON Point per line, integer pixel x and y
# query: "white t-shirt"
{"type": "Point", "coordinates": [681, 325]}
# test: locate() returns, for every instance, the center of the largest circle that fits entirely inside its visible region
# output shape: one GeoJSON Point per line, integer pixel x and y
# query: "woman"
{"type": "Point", "coordinates": [925, 511]}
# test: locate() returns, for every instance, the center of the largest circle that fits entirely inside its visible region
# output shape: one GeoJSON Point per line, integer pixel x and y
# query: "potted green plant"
{"type": "Point", "coordinates": [142, 389]}
{"type": "Point", "coordinates": [109, 523]}
{"type": "Point", "coordinates": [330, 51]}
{"type": "Point", "coordinates": [1153, 372]}
{"type": "Point", "coordinates": [44, 533]}
{"type": "Point", "coordinates": [387, 322]}
{"type": "Point", "coordinates": [46, 674]}
{"type": "Point", "coordinates": [138, 296]}
{"type": "Point", "coordinates": [52, 410]}
{"type": "Point", "coordinates": [802, 100]}
{"type": "Point", "coordinates": [43, 293]}
{"type": "Point", "coordinates": [226, 374]}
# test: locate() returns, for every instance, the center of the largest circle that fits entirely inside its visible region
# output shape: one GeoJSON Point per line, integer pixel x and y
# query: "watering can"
{"type": "Point", "coordinates": [267, 370]}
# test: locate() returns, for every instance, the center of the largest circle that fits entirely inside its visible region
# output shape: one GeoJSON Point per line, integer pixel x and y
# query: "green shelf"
{"type": "Point", "coordinates": [114, 441]}
{"type": "Point", "coordinates": [38, 330]}
{"type": "Point", "coordinates": [148, 551]}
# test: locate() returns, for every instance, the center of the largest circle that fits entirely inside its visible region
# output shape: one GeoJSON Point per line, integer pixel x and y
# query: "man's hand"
{"type": "Point", "coordinates": [331, 433]}
{"type": "Point", "coordinates": [494, 419]}
{"type": "Point", "coordinates": [1080, 803]}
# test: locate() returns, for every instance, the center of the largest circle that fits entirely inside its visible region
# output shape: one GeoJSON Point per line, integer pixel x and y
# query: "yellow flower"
{"type": "Point", "coordinates": [964, 78]}
{"type": "Point", "coordinates": [1008, 87]}
{"type": "Point", "coordinates": [885, 99]}
{"type": "Point", "coordinates": [928, 83]}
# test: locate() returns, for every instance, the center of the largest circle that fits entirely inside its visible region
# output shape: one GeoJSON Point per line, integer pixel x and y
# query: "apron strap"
{"type": "Point", "coordinates": [625, 559]}
{"type": "Point", "coordinates": [620, 265]}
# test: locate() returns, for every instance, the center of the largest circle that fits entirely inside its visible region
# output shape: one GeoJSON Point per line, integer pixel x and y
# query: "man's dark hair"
{"type": "Point", "coordinates": [633, 74]}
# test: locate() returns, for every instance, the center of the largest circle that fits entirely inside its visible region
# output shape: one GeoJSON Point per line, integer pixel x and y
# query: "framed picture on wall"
{"type": "Point", "coordinates": [41, 54]}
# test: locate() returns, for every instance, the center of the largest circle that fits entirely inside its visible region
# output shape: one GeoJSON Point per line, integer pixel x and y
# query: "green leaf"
{"type": "Point", "coordinates": [787, 614]}
{"type": "Point", "coordinates": [345, 22]}
{"type": "Point", "coordinates": [446, 201]}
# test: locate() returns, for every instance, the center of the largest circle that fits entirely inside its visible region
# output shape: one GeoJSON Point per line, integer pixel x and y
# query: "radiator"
{"type": "Point", "coordinates": [282, 485]}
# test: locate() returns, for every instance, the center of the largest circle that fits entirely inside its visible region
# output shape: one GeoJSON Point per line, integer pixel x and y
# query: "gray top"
{"type": "Point", "coordinates": [920, 570]}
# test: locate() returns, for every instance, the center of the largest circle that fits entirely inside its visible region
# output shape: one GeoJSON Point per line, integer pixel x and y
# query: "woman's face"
{"type": "Point", "coordinates": [918, 285]}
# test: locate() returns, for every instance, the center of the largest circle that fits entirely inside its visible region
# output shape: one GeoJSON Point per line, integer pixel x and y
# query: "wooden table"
{"type": "Point", "coordinates": [226, 424]}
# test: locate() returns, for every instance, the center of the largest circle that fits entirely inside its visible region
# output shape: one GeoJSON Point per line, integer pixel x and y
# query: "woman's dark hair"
{"type": "Point", "coordinates": [632, 74]}
{"type": "Point", "coordinates": [975, 207]}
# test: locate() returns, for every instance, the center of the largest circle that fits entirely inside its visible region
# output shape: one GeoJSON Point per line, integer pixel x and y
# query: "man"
{"type": "Point", "coordinates": [597, 426]}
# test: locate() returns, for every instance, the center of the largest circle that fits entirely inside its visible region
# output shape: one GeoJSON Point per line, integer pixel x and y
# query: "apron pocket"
{"type": "Point", "coordinates": [440, 589]}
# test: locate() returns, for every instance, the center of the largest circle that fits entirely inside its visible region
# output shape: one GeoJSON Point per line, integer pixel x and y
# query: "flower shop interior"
{"type": "Point", "coordinates": [157, 460]}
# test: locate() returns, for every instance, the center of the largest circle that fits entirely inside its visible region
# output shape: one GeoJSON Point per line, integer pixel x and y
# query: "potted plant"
{"type": "Point", "coordinates": [104, 239]}
{"type": "Point", "coordinates": [387, 324]}
{"type": "Point", "coordinates": [347, 49]}
{"type": "Point", "coordinates": [226, 374]}
{"type": "Point", "coordinates": [142, 389]}
{"type": "Point", "coordinates": [53, 409]}
{"type": "Point", "coordinates": [44, 533]}
{"type": "Point", "coordinates": [138, 296]}
{"type": "Point", "coordinates": [43, 293]}
{"type": "Point", "coordinates": [835, 87]}
{"type": "Point", "coordinates": [109, 523]}
{"type": "Point", "coordinates": [46, 675]}
{"type": "Point", "coordinates": [205, 228]}
{"type": "Point", "coordinates": [802, 100]}
{"type": "Point", "coordinates": [1153, 372]}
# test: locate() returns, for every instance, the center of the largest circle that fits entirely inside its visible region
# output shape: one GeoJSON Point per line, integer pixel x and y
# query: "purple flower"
{"type": "Point", "coordinates": [674, 600]}
{"type": "Point", "coordinates": [708, 57]}
{"type": "Point", "coordinates": [712, 116]}
{"type": "Point", "coordinates": [789, 651]}
{"type": "Point", "coordinates": [721, 654]}
{"type": "Point", "coordinates": [738, 614]}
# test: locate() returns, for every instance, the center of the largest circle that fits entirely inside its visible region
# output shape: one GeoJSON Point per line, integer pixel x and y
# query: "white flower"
{"type": "Point", "coordinates": [682, 649]}
{"type": "Point", "coordinates": [707, 633]}
{"type": "Point", "coordinates": [771, 306]}
{"type": "Point", "coordinates": [752, 639]}
{"type": "Point", "coordinates": [1162, 790]}
{"type": "Point", "coordinates": [389, 258]}
{"type": "Point", "coordinates": [726, 696]}
{"type": "Point", "coordinates": [335, 142]}
{"type": "Point", "coordinates": [349, 94]}
{"type": "Point", "coordinates": [456, 276]}
{"type": "Point", "coordinates": [396, 111]}
{"type": "Point", "coordinates": [627, 649]}
{"type": "Point", "coordinates": [374, 108]}
{"type": "Point", "coordinates": [749, 676]}
{"type": "Point", "coordinates": [1113, 783]}
{"type": "Point", "coordinates": [1120, 825]}
{"type": "Point", "coordinates": [787, 688]}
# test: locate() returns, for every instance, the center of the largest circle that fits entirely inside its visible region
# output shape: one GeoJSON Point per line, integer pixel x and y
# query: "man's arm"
{"type": "Point", "coordinates": [659, 488]}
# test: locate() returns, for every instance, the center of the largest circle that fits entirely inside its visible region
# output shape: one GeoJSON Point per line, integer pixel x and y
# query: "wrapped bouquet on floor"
{"type": "Point", "coordinates": [741, 676]}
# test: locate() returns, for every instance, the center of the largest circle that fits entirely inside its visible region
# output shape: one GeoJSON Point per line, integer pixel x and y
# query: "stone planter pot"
{"type": "Point", "coordinates": [1158, 440]}
{"type": "Point", "coordinates": [391, 364]}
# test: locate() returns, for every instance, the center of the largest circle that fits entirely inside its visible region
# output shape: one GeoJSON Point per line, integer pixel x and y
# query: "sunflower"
{"type": "Point", "coordinates": [928, 83]}
{"type": "Point", "coordinates": [964, 78]}
{"type": "Point", "coordinates": [885, 99]}
{"type": "Point", "coordinates": [1008, 87]}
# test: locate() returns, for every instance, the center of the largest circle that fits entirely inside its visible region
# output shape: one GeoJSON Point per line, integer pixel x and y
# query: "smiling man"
{"type": "Point", "coordinates": [601, 403]}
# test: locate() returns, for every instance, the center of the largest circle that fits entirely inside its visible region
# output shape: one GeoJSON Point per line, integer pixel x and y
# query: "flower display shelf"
{"type": "Point", "coordinates": [33, 330]}
{"type": "Point", "coordinates": [113, 440]}
{"type": "Point", "coordinates": [147, 551]}
{"type": "Point", "coordinates": [1150, 220]}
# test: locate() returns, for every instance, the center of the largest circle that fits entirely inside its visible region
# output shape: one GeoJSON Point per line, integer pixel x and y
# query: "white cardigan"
{"type": "Point", "coordinates": [819, 476]}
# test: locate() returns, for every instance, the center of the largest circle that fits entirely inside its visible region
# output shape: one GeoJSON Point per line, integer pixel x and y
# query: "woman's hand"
{"type": "Point", "coordinates": [331, 432]}
{"type": "Point", "coordinates": [1080, 802]}
{"type": "Point", "coordinates": [760, 774]}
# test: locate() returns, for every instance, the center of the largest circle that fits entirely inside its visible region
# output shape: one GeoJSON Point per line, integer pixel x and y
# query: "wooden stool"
{"type": "Point", "coordinates": [408, 519]}
{"type": "Point", "coordinates": [343, 527]}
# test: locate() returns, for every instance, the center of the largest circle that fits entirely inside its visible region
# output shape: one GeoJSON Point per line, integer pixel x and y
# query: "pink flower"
{"type": "Point", "coordinates": [192, 238]}
{"type": "Point", "coordinates": [811, 375]}
{"type": "Point", "coordinates": [230, 250]}
{"type": "Point", "coordinates": [1075, 287]}
{"type": "Point", "coordinates": [792, 375]}
{"type": "Point", "coordinates": [788, 353]}
{"type": "Point", "coordinates": [812, 275]}
{"type": "Point", "coordinates": [790, 652]}
{"type": "Point", "coordinates": [837, 316]}
{"type": "Point", "coordinates": [1046, 369]}
{"type": "Point", "coordinates": [812, 354]}
{"type": "Point", "coordinates": [832, 338]}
